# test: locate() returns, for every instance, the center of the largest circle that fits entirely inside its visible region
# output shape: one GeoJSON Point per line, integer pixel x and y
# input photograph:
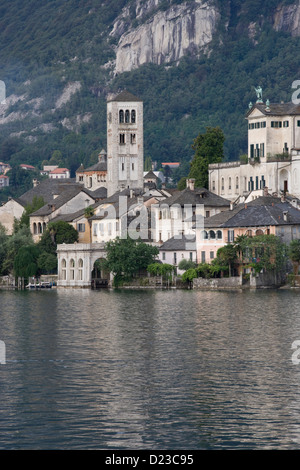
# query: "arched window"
{"type": "Point", "coordinates": [259, 232]}
{"type": "Point", "coordinates": [121, 116]}
{"type": "Point", "coordinates": [133, 116]}
{"type": "Point", "coordinates": [44, 226]}
{"type": "Point", "coordinates": [34, 228]}
{"type": "Point", "coordinates": [72, 269]}
{"type": "Point", "coordinates": [80, 269]}
{"type": "Point", "coordinates": [204, 235]}
{"type": "Point", "coordinates": [212, 234]}
{"type": "Point", "coordinates": [219, 234]}
{"type": "Point", "coordinates": [229, 183]}
{"type": "Point", "coordinates": [127, 116]}
{"type": "Point", "coordinates": [64, 269]}
{"type": "Point", "coordinates": [39, 227]}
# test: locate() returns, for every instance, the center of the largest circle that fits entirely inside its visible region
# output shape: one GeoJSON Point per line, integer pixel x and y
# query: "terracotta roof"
{"type": "Point", "coordinates": [59, 171]}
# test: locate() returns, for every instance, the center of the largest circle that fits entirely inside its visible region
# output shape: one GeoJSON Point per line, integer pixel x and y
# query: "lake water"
{"type": "Point", "coordinates": [149, 370]}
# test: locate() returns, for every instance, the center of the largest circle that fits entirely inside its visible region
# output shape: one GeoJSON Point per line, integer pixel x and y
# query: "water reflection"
{"type": "Point", "coordinates": [149, 370]}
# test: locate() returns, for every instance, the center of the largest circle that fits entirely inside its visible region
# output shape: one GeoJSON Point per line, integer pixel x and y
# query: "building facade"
{"type": "Point", "coordinates": [125, 147]}
{"type": "Point", "coordinates": [273, 155]}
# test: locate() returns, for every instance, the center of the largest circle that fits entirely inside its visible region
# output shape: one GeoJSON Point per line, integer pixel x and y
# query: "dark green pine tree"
{"type": "Point", "coordinates": [208, 149]}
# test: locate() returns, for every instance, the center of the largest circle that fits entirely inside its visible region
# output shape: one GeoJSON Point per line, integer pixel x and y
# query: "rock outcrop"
{"type": "Point", "coordinates": [287, 18]}
{"type": "Point", "coordinates": [165, 36]}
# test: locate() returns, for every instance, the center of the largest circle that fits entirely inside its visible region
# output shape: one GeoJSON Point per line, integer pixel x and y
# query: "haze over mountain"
{"type": "Point", "coordinates": [193, 63]}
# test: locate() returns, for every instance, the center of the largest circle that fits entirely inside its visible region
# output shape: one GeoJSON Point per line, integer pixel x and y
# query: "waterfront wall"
{"type": "Point", "coordinates": [218, 283]}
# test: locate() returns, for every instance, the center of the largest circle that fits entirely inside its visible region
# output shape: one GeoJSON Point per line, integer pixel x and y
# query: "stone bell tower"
{"type": "Point", "coordinates": [125, 146]}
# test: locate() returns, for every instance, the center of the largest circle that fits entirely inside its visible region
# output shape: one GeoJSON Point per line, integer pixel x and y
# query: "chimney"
{"type": "Point", "coordinates": [285, 216]}
{"type": "Point", "coordinates": [190, 183]}
{"type": "Point", "coordinates": [283, 197]}
{"type": "Point", "coordinates": [131, 194]}
{"type": "Point", "coordinates": [231, 205]}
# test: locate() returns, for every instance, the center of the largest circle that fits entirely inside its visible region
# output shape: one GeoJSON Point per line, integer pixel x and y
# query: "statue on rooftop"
{"type": "Point", "coordinates": [258, 94]}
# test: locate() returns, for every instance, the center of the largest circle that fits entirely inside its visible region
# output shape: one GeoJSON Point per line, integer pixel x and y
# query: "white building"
{"type": "Point", "coordinates": [273, 155]}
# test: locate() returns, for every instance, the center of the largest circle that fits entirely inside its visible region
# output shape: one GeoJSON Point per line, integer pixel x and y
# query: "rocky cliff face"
{"type": "Point", "coordinates": [163, 36]}
{"type": "Point", "coordinates": [287, 18]}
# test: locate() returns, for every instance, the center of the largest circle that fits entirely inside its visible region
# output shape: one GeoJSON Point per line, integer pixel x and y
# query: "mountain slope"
{"type": "Point", "coordinates": [194, 64]}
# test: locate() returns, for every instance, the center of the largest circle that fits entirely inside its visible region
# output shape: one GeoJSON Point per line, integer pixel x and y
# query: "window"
{"type": "Point", "coordinates": [256, 182]}
{"type": "Point", "coordinates": [164, 256]}
{"type": "Point", "coordinates": [252, 151]}
{"type": "Point", "coordinates": [213, 185]}
{"type": "Point", "coordinates": [72, 269]}
{"type": "Point", "coordinates": [132, 138]}
{"type": "Point", "coordinates": [298, 123]}
{"type": "Point", "coordinates": [212, 234]}
{"type": "Point", "coordinates": [229, 183]}
{"type": "Point", "coordinates": [109, 228]}
{"type": "Point", "coordinates": [133, 116]}
{"type": "Point", "coordinates": [122, 139]}
{"type": "Point", "coordinates": [237, 182]}
{"type": "Point", "coordinates": [207, 213]}
{"type": "Point", "coordinates": [202, 256]}
{"type": "Point", "coordinates": [276, 124]}
{"type": "Point", "coordinates": [121, 116]}
{"type": "Point", "coordinates": [175, 258]}
{"type": "Point", "coordinates": [230, 235]}
{"type": "Point", "coordinates": [81, 227]}
{"type": "Point", "coordinates": [127, 116]}
{"type": "Point", "coordinates": [222, 184]}
{"type": "Point", "coordinates": [123, 167]}
{"type": "Point", "coordinates": [219, 235]}
{"type": "Point", "coordinates": [262, 150]}
{"type": "Point", "coordinates": [63, 269]}
{"type": "Point", "coordinates": [95, 227]}
{"type": "Point", "coordinates": [285, 123]}
{"type": "Point", "coordinates": [80, 269]}
{"type": "Point", "coordinates": [263, 124]}
{"type": "Point", "coordinates": [211, 255]}
{"type": "Point", "coordinates": [191, 256]}
{"type": "Point", "coordinates": [132, 166]}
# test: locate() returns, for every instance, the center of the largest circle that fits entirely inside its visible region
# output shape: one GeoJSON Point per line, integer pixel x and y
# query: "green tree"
{"type": "Point", "coordinates": [148, 164]}
{"type": "Point", "coordinates": [208, 149]}
{"type": "Point", "coordinates": [25, 262]}
{"type": "Point", "coordinates": [13, 244]}
{"type": "Point", "coordinates": [186, 264]}
{"type": "Point", "coordinates": [89, 212]}
{"type": "Point", "coordinates": [3, 243]}
{"type": "Point", "coordinates": [294, 254]}
{"type": "Point", "coordinates": [57, 233]}
{"type": "Point", "coordinates": [227, 255]}
{"type": "Point", "coordinates": [127, 257]}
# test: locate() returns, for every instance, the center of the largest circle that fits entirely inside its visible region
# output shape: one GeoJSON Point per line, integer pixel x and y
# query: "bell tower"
{"type": "Point", "coordinates": [125, 146]}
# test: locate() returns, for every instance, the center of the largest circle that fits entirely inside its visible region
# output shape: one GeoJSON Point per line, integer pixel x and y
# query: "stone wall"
{"type": "Point", "coordinates": [218, 283]}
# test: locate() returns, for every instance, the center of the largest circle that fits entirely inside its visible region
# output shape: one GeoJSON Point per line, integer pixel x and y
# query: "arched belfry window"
{"type": "Point", "coordinates": [121, 116]}
{"type": "Point", "coordinates": [127, 116]}
{"type": "Point", "coordinates": [133, 116]}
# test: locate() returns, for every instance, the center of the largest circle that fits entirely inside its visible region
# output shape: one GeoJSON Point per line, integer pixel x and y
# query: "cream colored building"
{"type": "Point", "coordinates": [273, 156]}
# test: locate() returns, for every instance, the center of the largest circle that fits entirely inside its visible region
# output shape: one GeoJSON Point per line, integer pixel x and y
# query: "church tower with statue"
{"type": "Point", "coordinates": [125, 146]}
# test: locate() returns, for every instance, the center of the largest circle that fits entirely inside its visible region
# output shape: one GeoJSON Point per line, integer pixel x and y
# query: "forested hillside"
{"type": "Point", "coordinates": [57, 59]}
